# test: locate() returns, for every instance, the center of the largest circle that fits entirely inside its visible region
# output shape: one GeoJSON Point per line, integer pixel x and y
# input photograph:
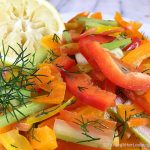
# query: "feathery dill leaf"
{"type": "Point", "coordinates": [15, 78]}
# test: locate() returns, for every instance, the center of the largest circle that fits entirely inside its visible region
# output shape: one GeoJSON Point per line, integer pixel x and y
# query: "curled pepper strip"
{"type": "Point", "coordinates": [116, 73]}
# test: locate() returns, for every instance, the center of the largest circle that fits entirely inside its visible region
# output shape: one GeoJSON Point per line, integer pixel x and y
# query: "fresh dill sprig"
{"type": "Point", "coordinates": [123, 124]}
{"type": "Point", "coordinates": [51, 56]}
{"type": "Point", "coordinates": [31, 131]}
{"type": "Point", "coordinates": [15, 79]}
{"type": "Point", "coordinates": [56, 38]}
{"type": "Point", "coordinates": [85, 124]}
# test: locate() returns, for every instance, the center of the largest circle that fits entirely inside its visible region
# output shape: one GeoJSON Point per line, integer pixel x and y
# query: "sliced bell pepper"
{"type": "Point", "coordinates": [45, 114]}
{"type": "Point", "coordinates": [55, 96]}
{"type": "Point", "coordinates": [49, 43]}
{"type": "Point", "coordinates": [70, 49]}
{"type": "Point", "coordinates": [82, 14]}
{"type": "Point", "coordinates": [13, 140]}
{"type": "Point", "coordinates": [136, 42]}
{"type": "Point", "coordinates": [96, 15]}
{"type": "Point", "coordinates": [80, 85]}
{"type": "Point", "coordinates": [131, 27]}
{"type": "Point", "coordinates": [109, 67]}
{"type": "Point", "coordinates": [64, 62]}
{"type": "Point", "coordinates": [139, 100]}
{"type": "Point", "coordinates": [109, 86]}
{"type": "Point", "coordinates": [135, 122]}
{"type": "Point", "coordinates": [43, 138]}
{"type": "Point", "coordinates": [135, 57]}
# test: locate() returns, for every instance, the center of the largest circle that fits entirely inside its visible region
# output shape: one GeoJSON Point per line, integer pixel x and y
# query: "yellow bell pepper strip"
{"type": "Point", "coordinates": [131, 27]}
{"type": "Point", "coordinates": [110, 68]}
{"type": "Point", "coordinates": [25, 110]}
{"type": "Point", "coordinates": [12, 140]}
{"type": "Point", "coordinates": [135, 57]}
{"type": "Point", "coordinates": [43, 138]}
{"type": "Point", "coordinates": [45, 114]}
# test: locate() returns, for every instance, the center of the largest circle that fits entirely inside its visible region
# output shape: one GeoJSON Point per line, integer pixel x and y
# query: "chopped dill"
{"type": "Point", "coordinates": [51, 56]}
{"type": "Point", "coordinates": [85, 123]}
{"type": "Point", "coordinates": [56, 38]}
{"type": "Point", "coordinates": [15, 79]}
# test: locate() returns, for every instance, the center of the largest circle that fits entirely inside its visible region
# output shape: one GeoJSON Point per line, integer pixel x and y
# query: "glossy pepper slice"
{"type": "Point", "coordinates": [136, 56]}
{"type": "Point", "coordinates": [110, 68]}
{"type": "Point", "coordinates": [80, 85]}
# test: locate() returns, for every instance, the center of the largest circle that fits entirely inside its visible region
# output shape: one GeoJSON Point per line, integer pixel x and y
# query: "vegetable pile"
{"type": "Point", "coordinates": [91, 92]}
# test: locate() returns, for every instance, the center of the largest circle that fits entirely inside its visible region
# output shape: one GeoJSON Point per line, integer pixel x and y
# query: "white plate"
{"type": "Point", "coordinates": [145, 27]}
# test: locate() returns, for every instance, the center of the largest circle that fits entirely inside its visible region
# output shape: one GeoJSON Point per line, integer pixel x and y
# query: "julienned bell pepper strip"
{"type": "Point", "coordinates": [13, 140]}
{"type": "Point", "coordinates": [81, 86]}
{"type": "Point", "coordinates": [136, 56]}
{"type": "Point", "coordinates": [131, 27]}
{"type": "Point", "coordinates": [43, 138]}
{"type": "Point", "coordinates": [45, 114]}
{"type": "Point", "coordinates": [139, 100]}
{"type": "Point", "coordinates": [110, 68]}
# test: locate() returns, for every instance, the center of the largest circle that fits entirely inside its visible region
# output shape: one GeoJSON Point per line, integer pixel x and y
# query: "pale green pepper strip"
{"type": "Point", "coordinates": [97, 21]}
{"type": "Point", "coordinates": [117, 43]}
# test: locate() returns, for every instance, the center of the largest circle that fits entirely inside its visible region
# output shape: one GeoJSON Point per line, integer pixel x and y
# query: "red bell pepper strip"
{"type": "Point", "coordinates": [80, 85]}
{"type": "Point", "coordinates": [64, 62]}
{"type": "Point", "coordinates": [139, 100]}
{"type": "Point", "coordinates": [136, 42]}
{"type": "Point", "coordinates": [92, 36]}
{"type": "Point", "coordinates": [109, 67]}
{"type": "Point", "coordinates": [109, 86]}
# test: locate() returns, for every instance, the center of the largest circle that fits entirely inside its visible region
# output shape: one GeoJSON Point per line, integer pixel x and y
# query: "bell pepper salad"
{"type": "Point", "coordinates": [92, 91]}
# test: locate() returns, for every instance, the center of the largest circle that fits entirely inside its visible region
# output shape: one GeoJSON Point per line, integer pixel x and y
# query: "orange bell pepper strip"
{"type": "Point", "coordinates": [147, 96]}
{"type": "Point", "coordinates": [46, 74]}
{"type": "Point", "coordinates": [2, 147]}
{"type": "Point", "coordinates": [43, 138]}
{"type": "Point", "coordinates": [49, 43]}
{"type": "Point", "coordinates": [55, 96]}
{"type": "Point", "coordinates": [131, 27]}
{"type": "Point", "coordinates": [127, 113]}
{"type": "Point", "coordinates": [82, 14]}
{"type": "Point", "coordinates": [134, 122]}
{"type": "Point", "coordinates": [70, 48]}
{"type": "Point", "coordinates": [96, 15]}
{"type": "Point", "coordinates": [49, 122]}
{"type": "Point", "coordinates": [108, 66]}
{"type": "Point", "coordinates": [136, 56]}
